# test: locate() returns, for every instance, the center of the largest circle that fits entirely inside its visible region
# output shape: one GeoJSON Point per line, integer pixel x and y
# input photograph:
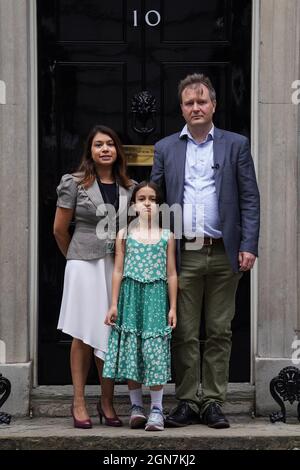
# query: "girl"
{"type": "Point", "coordinates": [100, 179]}
{"type": "Point", "coordinates": [139, 345]}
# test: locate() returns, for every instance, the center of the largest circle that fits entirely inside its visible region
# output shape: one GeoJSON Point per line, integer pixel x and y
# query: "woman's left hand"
{"type": "Point", "coordinates": [172, 318]}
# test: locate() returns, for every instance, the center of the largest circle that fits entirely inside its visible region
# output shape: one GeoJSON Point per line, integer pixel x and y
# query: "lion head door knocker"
{"type": "Point", "coordinates": [287, 386]}
{"type": "Point", "coordinates": [143, 108]}
{"type": "Point", "coordinates": [5, 388]}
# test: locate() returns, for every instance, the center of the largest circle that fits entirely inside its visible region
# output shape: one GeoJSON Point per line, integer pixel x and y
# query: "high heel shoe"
{"type": "Point", "coordinates": [116, 422]}
{"type": "Point", "coordinates": [82, 424]}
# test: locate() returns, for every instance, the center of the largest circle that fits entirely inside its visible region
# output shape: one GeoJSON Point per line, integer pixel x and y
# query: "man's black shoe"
{"type": "Point", "coordinates": [214, 418]}
{"type": "Point", "coordinates": [183, 415]}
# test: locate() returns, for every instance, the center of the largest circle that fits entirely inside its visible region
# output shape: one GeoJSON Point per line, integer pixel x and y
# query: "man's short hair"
{"type": "Point", "coordinates": [196, 79]}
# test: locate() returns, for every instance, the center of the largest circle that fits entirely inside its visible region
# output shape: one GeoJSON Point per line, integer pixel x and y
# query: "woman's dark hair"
{"type": "Point", "coordinates": [87, 165]}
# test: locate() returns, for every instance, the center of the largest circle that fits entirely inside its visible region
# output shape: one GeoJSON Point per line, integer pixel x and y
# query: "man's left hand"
{"type": "Point", "coordinates": [246, 260]}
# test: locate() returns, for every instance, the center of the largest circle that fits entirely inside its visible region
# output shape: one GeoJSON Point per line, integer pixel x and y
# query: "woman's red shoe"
{"type": "Point", "coordinates": [82, 424]}
{"type": "Point", "coordinates": [116, 422]}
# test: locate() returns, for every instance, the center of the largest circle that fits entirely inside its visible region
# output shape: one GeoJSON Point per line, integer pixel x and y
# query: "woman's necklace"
{"type": "Point", "coordinates": [111, 181]}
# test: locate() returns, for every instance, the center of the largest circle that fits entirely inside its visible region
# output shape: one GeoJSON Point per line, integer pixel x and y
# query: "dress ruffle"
{"type": "Point", "coordinates": [165, 333]}
{"type": "Point", "coordinates": [132, 357]}
{"type": "Point", "coordinates": [144, 279]}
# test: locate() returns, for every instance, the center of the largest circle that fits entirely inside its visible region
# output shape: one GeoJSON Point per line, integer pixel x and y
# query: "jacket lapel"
{"type": "Point", "coordinates": [219, 157]}
{"type": "Point", "coordinates": [179, 158]}
{"type": "Point", "coordinates": [94, 194]}
{"type": "Point", "coordinates": [123, 199]}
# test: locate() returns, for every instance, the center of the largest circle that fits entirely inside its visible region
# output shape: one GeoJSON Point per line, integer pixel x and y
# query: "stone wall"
{"type": "Point", "coordinates": [278, 154]}
{"type": "Point", "coordinates": [14, 202]}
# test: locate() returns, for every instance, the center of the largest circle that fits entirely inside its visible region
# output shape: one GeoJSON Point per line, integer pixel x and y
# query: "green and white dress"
{"type": "Point", "coordinates": [139, 344]}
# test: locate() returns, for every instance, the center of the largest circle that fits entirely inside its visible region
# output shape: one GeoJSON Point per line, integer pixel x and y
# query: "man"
{"type": "Point", "coordinates": [203, 166]}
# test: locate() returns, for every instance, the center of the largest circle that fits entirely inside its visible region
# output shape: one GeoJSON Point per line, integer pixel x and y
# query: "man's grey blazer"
{"type": "Point", "coordinates": [93, 237]}
{"type": "Point", "coordinates": [236, 187]}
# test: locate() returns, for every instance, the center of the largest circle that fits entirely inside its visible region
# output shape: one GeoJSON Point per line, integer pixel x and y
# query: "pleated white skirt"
{"type": "Point", "coordinates": [86, 300]}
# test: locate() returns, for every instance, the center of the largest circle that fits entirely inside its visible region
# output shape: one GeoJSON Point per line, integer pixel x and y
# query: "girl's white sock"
{"type": "Point", "coordinates": [156, 398]}
{"type": "Point", "coordinates": [136, 397]}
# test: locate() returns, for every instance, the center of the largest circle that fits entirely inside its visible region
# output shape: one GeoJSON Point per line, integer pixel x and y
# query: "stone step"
{"type": "Point", "coordinates": [46, 433]}
{"type": "Point", "coordinates": [55, 401]}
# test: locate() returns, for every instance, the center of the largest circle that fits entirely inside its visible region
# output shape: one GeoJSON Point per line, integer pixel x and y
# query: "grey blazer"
{"type": "Point", "coordinates": [236, 187]}
{"type": "Point", "coordinates": [93, 236]}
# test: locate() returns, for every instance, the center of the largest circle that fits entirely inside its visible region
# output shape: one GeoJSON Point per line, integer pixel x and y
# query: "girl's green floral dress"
{"type": "Point", "coordinates": [139, 344]}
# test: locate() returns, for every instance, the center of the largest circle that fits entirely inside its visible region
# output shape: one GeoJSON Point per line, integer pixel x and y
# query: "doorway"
{"type": "Point", "coordinates": [98, 62]}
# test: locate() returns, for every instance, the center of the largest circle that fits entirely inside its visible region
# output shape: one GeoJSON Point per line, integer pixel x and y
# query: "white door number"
{"type": "Point", "coordinates": [152, 18]}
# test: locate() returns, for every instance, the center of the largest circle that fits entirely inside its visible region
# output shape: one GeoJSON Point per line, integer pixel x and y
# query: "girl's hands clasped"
{"type": "Point", "coordinates": [172, 318]}
{"type": "Point", "coordinates": [111, 316]}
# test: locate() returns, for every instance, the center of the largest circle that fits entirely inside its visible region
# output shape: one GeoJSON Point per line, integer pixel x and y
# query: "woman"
{"type": "Point", "coordinates": [100, 183]}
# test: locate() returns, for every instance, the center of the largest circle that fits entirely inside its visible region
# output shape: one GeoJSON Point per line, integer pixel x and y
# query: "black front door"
{"type": "Point", "coordinates": [94, 60]}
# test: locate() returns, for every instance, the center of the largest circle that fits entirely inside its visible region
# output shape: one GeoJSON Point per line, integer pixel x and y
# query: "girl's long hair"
{"type": "Point", "coordinates": [87, 168]}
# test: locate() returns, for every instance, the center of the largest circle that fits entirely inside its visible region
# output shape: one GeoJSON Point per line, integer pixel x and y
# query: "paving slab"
{"type": "Point", "coordinates": [55, 401]}
{"type": "Point", "coordinates": [44, 433]}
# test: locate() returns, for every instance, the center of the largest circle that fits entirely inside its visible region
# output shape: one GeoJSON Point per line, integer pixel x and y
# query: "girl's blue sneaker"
{"type": "Point", "coordinates": [156, 421]}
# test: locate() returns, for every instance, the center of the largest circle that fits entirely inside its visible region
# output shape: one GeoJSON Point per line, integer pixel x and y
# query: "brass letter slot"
{"type": "Point", "coordinates": [139, 155]}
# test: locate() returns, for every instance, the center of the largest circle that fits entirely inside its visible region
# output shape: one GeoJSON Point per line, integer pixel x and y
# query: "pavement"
{"type": "Point", "coordinates": [58, 433]}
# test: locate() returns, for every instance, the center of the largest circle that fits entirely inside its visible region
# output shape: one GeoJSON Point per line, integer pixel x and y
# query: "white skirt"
{"type": "Point", "coordinates": [86, 300]}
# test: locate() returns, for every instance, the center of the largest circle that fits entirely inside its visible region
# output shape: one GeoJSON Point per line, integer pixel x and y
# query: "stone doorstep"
{"type": "Point", "coordinates": [55, 401]}
{"type": "Point", "coordinates": [46, 433]}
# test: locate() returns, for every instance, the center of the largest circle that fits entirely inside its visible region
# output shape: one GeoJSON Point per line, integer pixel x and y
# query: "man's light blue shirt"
{"type": "Point", "coordinates": [200, 203]}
